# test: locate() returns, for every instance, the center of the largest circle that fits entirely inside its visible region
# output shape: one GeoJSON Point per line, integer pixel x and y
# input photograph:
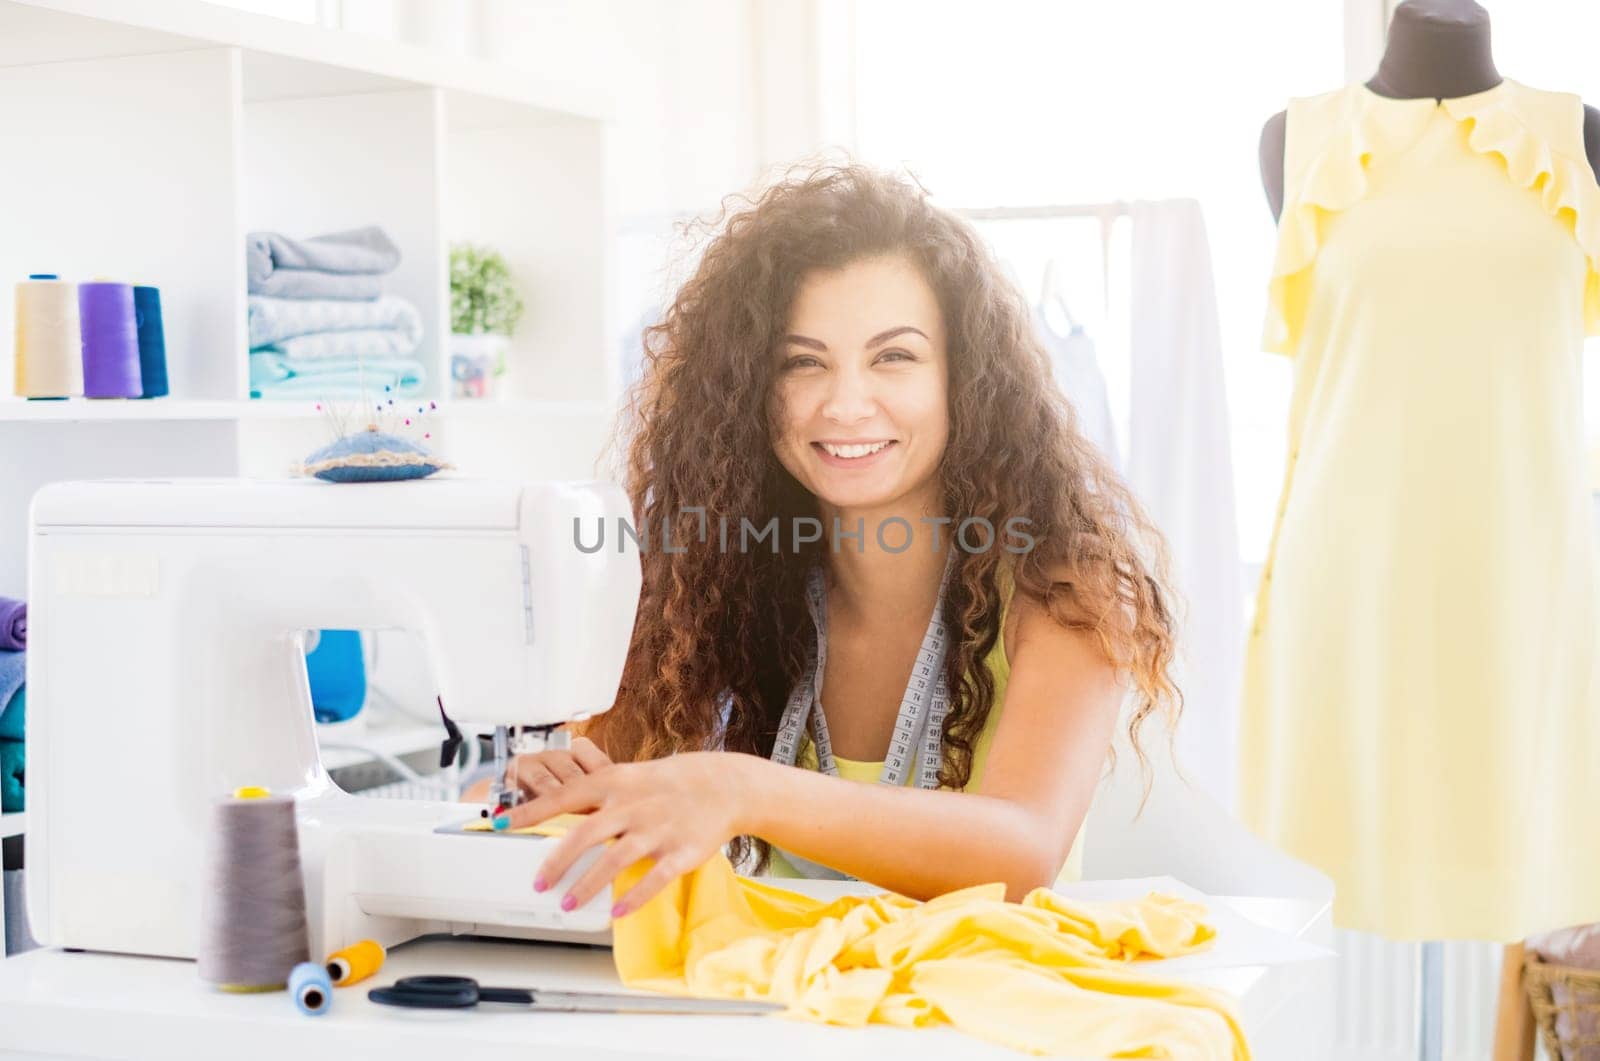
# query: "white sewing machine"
{"type": "Point", "coordinates": [166, 668]}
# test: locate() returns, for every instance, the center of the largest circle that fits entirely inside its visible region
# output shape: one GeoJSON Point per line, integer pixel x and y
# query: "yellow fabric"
{"type": "Point", "coordinates": [1421, 708]}
{"type": "Point", "coordinates": [869, 772]}
{"type": "Point", "coordinates": [556, 826]}
{"type": "Point", "coordinates": [1047, 975]}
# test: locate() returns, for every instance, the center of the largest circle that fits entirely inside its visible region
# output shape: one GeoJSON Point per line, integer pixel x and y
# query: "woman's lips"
{"type": "Point", "coordinates": [852, 462]}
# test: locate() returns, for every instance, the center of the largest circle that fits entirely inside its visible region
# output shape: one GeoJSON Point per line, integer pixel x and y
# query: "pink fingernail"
{"type": "Point", "coordinates": [569, 903]}
{"type": "Point", "coordinates": [540, 884]}
{"type": "Point", "coordinates": [619, 910]}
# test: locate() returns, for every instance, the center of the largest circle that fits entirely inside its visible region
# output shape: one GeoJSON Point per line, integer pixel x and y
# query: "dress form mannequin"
{"type": "Point", "coordinates": [1437, 48]}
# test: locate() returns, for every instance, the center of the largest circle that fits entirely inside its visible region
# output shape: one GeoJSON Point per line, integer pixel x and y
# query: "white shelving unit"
{"type": "Point", "coordinates": [145, 138]}
{"type": "Point", "coordinates": [87, 410]}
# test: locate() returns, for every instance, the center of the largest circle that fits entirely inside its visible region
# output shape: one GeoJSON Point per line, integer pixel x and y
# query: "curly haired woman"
{"type": "Point", "coordinates": [849, 360]}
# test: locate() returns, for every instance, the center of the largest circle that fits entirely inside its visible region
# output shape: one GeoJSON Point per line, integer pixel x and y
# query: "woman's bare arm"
{"type": "Point", "coordinates": [1051, 742]}
{"type": "Point", "coordinates": [1061, 706]}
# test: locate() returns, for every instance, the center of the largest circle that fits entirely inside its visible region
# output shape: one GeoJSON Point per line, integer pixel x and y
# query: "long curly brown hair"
{"type": "Point", "coordinates": [722, 634]}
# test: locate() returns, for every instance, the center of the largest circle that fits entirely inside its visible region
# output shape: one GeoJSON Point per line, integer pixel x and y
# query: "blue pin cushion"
{"type": "Point", "coordinates": [371, 456]}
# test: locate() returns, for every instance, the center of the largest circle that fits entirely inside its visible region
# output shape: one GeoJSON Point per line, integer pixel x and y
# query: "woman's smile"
{"type": "Point", "coordinates": [853, 455]}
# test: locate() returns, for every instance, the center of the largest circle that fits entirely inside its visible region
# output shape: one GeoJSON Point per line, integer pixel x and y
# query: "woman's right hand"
{"type": "Point", "coordinates": [543, 772]}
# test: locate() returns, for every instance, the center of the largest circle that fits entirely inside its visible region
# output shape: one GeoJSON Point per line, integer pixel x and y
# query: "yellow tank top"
{"type": "Point", "coordinates": [868, 772]}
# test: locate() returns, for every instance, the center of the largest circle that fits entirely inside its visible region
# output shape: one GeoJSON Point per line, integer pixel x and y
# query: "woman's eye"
{"type": "Point", "coordinates": [899, 355]}
{"type": "Point", "coordinates": [802, 361]}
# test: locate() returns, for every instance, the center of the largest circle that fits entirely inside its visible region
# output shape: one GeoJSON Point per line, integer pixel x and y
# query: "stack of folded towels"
{"type": "Point", "coordinates": [320, 324]}
{"type": "Point", "coordinates": [13, 701]}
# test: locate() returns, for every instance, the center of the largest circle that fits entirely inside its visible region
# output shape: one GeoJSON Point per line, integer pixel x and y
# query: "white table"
{"type": "Point", "coordinates": [58, 1004]}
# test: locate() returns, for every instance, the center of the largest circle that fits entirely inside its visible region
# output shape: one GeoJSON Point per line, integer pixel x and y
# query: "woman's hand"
{"type": "Point", "coordinates": [678, 811]}
{"type": "Point", "coordinates": [543, 772]}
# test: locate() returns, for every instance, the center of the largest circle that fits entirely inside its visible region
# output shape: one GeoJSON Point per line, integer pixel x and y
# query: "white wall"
{"type": "Point", "coordinates": [708, 95]}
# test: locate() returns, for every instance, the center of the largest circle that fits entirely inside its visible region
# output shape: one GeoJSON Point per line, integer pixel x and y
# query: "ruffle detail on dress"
{"type": "Point", "coordinates": [1565, 185]}
{"type": "Point", "coordinates": [1333, 179]}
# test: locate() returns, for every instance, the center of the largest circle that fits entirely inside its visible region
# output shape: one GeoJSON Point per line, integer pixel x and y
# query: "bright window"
{"type": "Point", "coordinates": [1016, 103]}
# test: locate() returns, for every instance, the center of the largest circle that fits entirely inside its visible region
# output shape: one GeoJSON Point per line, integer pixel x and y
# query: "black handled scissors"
{"type": "Point", "coordinates": [463, 992]}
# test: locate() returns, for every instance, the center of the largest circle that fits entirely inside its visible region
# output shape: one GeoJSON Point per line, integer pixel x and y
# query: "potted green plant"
{"type": "Point", "coordinates": [484, 310]}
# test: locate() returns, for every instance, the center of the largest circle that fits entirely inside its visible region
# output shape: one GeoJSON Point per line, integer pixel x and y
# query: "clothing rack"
{"type": "Point", "coordinates": [1106, 213]}
{"type": "Point", "coordinates": [1044, 212]}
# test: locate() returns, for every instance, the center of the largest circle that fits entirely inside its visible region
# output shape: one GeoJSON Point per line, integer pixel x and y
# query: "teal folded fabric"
{"type": "Point", "coordinates": [14, 719]}
{"type": "Point", "coordinates": [273, 375]}
{"type": "Point", "coordinates": [11, 775]}
{"type": "Point", "coordinates": [272, 320]}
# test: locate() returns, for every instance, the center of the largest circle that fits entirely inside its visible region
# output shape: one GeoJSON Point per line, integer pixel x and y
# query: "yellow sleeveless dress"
{"type": "Point", "coordinates": [1421, 707]}
{"type": "Point", "coordinates": [868, 772]}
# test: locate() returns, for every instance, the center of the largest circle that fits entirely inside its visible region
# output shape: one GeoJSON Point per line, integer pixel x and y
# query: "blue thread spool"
{"type": "Point", "coordinates": [152, 342]}
{"type": "Point", "coordinates": [311, 988]}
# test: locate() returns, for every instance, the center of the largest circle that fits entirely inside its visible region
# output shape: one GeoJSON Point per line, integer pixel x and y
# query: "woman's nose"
{"type": "Point", "coordinates": [850, 398]}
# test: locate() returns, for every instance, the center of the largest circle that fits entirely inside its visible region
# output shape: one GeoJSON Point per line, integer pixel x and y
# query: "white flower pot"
{"type": "Point", "coordinates": [474, 364]}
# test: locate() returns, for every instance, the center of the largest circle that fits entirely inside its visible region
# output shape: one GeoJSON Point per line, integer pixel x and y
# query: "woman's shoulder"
{"type": "Point", "coordinates": [1018, 606]}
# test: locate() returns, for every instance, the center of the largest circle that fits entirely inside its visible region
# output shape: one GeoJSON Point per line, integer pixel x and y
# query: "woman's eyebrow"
{"type": "Point", "coordinates": [876, 340]}
{"type": "Point", "coordinates": [883, 337]}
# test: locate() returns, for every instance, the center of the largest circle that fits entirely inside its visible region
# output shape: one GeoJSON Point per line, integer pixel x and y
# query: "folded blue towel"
{"type": "Point", "coordinates": [274, 319]}
{"type": "Point", "coordinates": [330, 346]}
{"type": "Point", "coordinates": [13, 625]}
{"type": "Point", "coordinates": [309, 283]}
{"type": "Point", "coordinates": [12, 762]}
{"type": "Point", "coordinates": [272, 375]}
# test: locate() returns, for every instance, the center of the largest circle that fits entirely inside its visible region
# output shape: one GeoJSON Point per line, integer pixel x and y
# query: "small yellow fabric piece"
{"type": "Point", "coordinates": [556, 826]}
{"type": "Point", "coordinates": [1046, 975]}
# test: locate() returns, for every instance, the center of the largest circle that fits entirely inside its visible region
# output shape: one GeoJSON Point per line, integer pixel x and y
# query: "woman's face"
{"type": "Point", "coordinates": [863, 378]}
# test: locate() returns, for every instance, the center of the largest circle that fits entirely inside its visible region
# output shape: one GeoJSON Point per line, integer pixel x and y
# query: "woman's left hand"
{"type": "Point", "coordinates": [679, 811]}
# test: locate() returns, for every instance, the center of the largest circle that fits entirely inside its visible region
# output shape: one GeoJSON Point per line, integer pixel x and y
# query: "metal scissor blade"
{"type": "Point", "coordinates": [616, 1002]}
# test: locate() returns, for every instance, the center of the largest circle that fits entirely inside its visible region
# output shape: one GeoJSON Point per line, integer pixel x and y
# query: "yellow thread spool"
{"type": "Point", "coordinates": [355, 963]}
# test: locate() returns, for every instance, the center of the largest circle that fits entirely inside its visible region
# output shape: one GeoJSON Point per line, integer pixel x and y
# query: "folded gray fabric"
{"type": "Point", "coordinates": [272, 320]}
{"type": "Point", "coordinates": [17, 938]}
{"type": "Point", "coordinates": [367, 251]}
{"type": "Point", "coordinates": [332, 346]}
{"type": "Point", "coordinates": [308, 283]}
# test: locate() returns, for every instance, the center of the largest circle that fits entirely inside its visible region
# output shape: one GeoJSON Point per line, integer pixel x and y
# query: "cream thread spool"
{"type": "Point", "coordinates": [49, 344]}
{"type": "Point", "coordinates": [253, 908]}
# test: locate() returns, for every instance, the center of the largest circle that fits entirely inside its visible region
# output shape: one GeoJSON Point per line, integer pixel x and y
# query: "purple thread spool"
{"type": "Point", "coordinates": [110, 340]}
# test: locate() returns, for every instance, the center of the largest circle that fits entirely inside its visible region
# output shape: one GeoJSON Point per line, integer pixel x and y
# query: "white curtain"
{"type": "Point", "coordinates": [1179, 465]}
